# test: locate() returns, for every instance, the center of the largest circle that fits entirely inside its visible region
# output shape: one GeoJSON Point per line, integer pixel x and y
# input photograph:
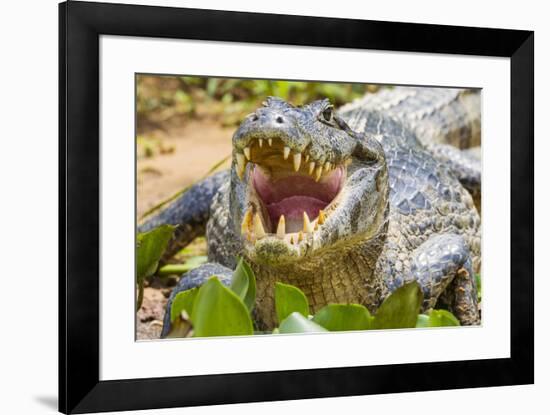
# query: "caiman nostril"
{"type": "Point", "coordinates": [279, 119]}
{"type": "Point", "coordinates": [255, 117]}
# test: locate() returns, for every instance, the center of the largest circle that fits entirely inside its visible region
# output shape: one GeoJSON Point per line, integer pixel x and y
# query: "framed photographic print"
{"type": "Point", "coordinates": [260, 207]}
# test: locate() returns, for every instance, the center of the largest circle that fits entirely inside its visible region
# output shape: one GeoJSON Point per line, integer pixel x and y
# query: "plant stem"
{"type": "Point", "coordinates": [140, 294]}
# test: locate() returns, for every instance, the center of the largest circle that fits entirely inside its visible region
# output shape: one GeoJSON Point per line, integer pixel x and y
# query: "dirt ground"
{"type": "Point", "coordinates": [183, 152]}
{"type": "Point", "coordinates": [190, 150]}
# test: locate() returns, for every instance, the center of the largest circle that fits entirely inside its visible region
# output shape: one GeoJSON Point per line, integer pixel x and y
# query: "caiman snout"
{"type": "Point", "coordinates": [266, 125]}
{"type": "Point", "coordinates": [267, 118]}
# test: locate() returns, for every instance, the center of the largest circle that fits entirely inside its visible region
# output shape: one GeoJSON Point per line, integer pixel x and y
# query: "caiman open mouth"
{"type": "Point", "coordinates": [290, 195]}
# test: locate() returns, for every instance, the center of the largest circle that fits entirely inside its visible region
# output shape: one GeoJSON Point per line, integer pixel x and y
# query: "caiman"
{"type": "Point", "coordinates": [347, 205]}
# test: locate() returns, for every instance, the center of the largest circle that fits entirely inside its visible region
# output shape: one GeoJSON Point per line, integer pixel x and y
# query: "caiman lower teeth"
{"type": "Point", "coordinates": [253, 230]}
{"type": "Point", "coordinates": [247, 220]}
{"type": "Point", "coordinates": [321, 219]}
{"type": "Point", "coordinates": [259, 231]}
{"type": "Point", "coordinates": [308, 226]}
{"type": "Point", "coordinates": [281, 228]}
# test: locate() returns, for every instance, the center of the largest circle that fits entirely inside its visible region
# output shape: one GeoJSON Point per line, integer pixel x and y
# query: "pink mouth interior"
{"type": "Point", "coordinates": [294, 194]}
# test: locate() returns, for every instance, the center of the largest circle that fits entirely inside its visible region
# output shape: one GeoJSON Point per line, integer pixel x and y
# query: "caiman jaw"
{"type": "Point", "coordinates": [290, 195]}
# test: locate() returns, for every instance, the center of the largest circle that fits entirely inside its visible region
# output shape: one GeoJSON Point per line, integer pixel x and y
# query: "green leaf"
{"type": "Point", "coordinates": [183, 301]}
{"type": "Point", "coordinates": [342, 317]}
{"type": "Point", "coordinates": [150, 247]}
{"type": "Point", "coordinates": [218, 311]}
{"type": "Point", "coordinates": [422, 320]}
{"type": "Point", "coordinates": [297, 323]}
{"type": "Point", "coordinates": [478, 286]}
{"type": "Point", "coordinates": [400, 309]}
{"type": "Point", "coordinates": [243, 283]}
{"type": "Point", "coordinates": [442, 318]}
{"type": "Point", "coordinates": [289, 299]}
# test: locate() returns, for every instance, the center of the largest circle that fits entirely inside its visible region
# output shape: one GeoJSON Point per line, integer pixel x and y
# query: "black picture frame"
{"type": "Point", "coordinates": [80, 26]}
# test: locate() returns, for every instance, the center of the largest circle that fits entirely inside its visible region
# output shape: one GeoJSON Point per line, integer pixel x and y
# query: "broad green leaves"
{"type": "Point", "coordinates": [442, 318]}
{"type": "Point", "coordinates": [400, 309]}
{"type": "Point", "coordinates": [243, 284]}
{"type": "Point", "coordinates": [437, 318]}
{"type": "Point", "coordinates": [218, 311]}
{"type": "Point", "coordinates": [342, 317]}
{"type": "Point", "coordinates": [297, 323]}
{"type": "Point", "coordinates": [215, 310]}
{"type": "Point", "coordinates": [289, 299]}
{"type": "Point", "coordinates": [478, 286]}
{"type": "Point", "coordinates": [150, 247]}
{"type": "Point", "coordinates": [183, 301]}
{"type": "Point", "coordinates": [423, 320]}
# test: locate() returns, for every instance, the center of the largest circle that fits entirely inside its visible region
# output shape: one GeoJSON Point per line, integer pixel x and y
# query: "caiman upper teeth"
{"type": "Point", "coordinates": [327, 166]}
{"type": "Point", "coordinates": [270, 142]}
{"type": "Point", "coordinates": [306, 158]}
{"type": "Point", "coordinates": [286, 152]}
{"type": "Point", "coordinates": [311, 167]}
{"type": "Point", "coordinates": [260, 142]}
{"type": "Point", "coordinates": [297, 160]}
{"type": "Point", "coordinates": [241, 165]}
{"type": "Point", "coordinates": [281, 227]}
{"type": "Point", "coordinates": [318, 172]}
{"type": "Point", "coordinates": [246, 152]}
{"type": "Point", "coordinates": [259, 231]}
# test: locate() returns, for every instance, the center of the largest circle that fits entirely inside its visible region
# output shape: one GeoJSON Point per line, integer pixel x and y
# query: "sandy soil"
{"type": "Point", "coordinates": [190, 149]}
{"type": "Point", "coordinates": [151, 313]}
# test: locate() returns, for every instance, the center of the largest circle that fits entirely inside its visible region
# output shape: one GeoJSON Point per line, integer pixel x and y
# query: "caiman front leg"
{"type": "Point", "coordinates": [192, 279]}
{"type": "Point", "coordinates": [189, 213]}
{"type": "Point", "coordinates": [443, 268]}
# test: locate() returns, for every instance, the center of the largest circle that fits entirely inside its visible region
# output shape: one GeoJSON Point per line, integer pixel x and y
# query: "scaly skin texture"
{"type": "Point", "coordinates": [434, 115]}
{"type": "Point", "coordinates": [446, 121]}
{"type": "Point", "coordinates": [401, 215]}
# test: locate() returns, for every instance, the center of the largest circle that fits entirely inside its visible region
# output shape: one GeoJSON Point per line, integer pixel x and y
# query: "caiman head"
{"type": "Point", "coordinates": [302, 181]}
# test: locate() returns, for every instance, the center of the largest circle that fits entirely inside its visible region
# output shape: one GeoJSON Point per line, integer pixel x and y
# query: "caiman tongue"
{"type": "Point", "coordinates": [294, 194]}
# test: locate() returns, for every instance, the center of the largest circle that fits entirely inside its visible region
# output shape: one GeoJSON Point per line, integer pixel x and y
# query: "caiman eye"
{"type": "Point", "coordinates": [327, 114]}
